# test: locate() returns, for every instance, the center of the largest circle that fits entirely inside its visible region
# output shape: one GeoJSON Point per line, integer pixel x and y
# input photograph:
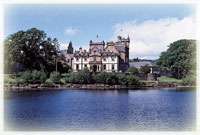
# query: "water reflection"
{"type": "Point", "coordinates": [83, 110]}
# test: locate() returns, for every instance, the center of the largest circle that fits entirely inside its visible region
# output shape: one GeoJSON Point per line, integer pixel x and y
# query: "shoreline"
{"type": "Point", "coordinates": [153, 84]}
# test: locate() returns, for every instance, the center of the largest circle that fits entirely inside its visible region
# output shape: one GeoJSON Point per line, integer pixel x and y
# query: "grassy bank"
{"type": "Point", "coordinates": [168, 79]}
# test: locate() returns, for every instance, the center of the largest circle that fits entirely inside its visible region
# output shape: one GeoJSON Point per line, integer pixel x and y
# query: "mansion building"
{"type": "Point", "coordinates": [110, 56]}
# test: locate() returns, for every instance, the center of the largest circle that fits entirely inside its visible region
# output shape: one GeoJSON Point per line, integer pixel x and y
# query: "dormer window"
{"type": "Point", "coordinates": [77, 59]}
{"type": "Point", "coordinates": [104, 59]}
{"type": "Point", "coordinates": [85, 59]}
{"type": "Point", "coordinates": [94, 52]}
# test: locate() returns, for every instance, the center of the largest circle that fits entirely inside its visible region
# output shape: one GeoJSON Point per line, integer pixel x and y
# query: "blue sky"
{"type": "Point", "coordinates": [81, 23]}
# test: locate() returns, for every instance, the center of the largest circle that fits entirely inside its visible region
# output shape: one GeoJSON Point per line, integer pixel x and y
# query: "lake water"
{"type": "Point", "coordinates": [168, 109]}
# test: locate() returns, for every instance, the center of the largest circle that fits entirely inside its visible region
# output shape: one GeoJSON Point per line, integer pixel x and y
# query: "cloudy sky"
{"type": "Point", "coordinates": [151, 28]}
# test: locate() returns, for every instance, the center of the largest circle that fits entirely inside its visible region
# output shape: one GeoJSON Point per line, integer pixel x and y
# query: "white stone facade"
{"type": "Point", "coordinates": [112, 57]}
{"type": "Point", "coordinates": [80, 63]}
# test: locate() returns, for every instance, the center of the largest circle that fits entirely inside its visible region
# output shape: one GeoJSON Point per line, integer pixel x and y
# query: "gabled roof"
{"type": "Point", "coordinates": [83, 53]}
{"type": "Point", "coordinates": [108, 53]}
{"type": "Point", "coordinates": [141, 63]}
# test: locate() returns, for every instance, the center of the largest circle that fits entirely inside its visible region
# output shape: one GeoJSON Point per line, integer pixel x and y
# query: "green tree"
{"type": "Point", "coordinates": [70, 48]}
{"type": "Point", "coordinates": [136, 59]}
{"type": "Point", "coordinates": [145, 69]}
{"type": "Point", "coordinates": [180, 57]}
{"type": "Point", "coordinates": [133, 70]}
{"type": "Point", "coordinates": [32, 49]}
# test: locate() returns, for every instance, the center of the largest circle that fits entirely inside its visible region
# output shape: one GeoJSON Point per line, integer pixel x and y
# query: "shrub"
{"type": "Point", "coordinates": [132, 70]}
{"type": "Point", "coordinates": [66, 78]}
{"type": "Point", "coordinates": [38, 76]}
{"type": "Point", "coordinates": [122, 79]}
{"type": "Point", "coordinates": [20, 81]}
{"type": "Point", "coordinates": [48, 81]}
{"type": "Point", "coordinates": [55, 77]}
{"type": "Point", "coordinates": [132, 80]}
{"type": "Point", "coordinates": [81, 77]}
{"type": "Point", "coordinates": [189, 80]}
{"type": "Point", "coordinates": [105, 78]}
{"type": "Point", "coordinates": [100, 77]}
{"type": "Point", "coordinates": [26, 77]}
{"type": "Point", "coordinates": [145, 69]}
{"type": "Point", "coordinates": [111, 78]}
{"type": "Point", "coordinates": [72, 78]}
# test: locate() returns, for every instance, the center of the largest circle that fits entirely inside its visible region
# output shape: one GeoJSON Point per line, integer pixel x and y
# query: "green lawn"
{"type": "Point", "coordinates": [8, 78]}
{"type": "Point", "coordinates": [168, 79]}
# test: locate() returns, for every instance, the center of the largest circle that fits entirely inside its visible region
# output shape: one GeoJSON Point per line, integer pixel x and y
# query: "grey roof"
{"type": "Point", "coordinates": [108, 53]}
{"type": "Point", "coordinates": [120, 48]}
{"type": "Point", "coordinates": [141, 63]}
{"type": "Point", "coordinates": [63, 52]}
{"type": "Point", "coordinates": [70, 55]}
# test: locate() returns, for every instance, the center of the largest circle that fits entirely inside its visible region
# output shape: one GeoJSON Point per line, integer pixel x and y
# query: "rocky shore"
{"type": "Point", "coordinates": [154, 84]}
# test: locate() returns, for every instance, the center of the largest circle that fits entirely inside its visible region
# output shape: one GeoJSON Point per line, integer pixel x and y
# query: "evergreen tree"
{"type": "Point", "coordinates": [70, 48]}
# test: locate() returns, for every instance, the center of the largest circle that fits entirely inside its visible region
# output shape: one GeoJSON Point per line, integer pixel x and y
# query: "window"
{"type": "Point", "coordinates": [113, 59]}
{"type": "Point", "coordinates": [113, 66]}
{"type": "Point", "coordinates": [95, 58]}
{"type": "Point", "coordinates": [104, 59]}
{"type": "Point", "coordinates": [104, 67]}
{"type": "Point", "coordinates": [85, 59]}
{"type": "Point", "coordinates": [127, 59]}
{"type": "Point", "coordinates": [85, 65]}
{"type": "Point", "coordinates": [94, 52]}
{"type": "Point", "coordinates": [77, 59]}
{"type": "Point", "coordinates": [77, 67]}
{"type": "Point", "coordinates": [67, 60]}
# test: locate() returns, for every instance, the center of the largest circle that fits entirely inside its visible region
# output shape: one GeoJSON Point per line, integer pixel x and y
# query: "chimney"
{"type": "Point", "coordinates": [119, 37]}
{"type": "Point", "coordinates": [80, 49]}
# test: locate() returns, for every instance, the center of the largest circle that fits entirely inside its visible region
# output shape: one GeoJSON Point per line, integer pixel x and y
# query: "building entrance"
{"type": "Point", "coordinates": [94, 68]}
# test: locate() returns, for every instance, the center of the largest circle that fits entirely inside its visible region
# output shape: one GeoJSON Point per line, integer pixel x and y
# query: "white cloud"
{"type": "Point", "coordinates": [71, 31]}
{"type": "Point", "coordinates": [150, 38]}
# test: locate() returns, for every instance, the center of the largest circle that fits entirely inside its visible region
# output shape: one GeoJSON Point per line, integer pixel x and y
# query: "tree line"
{"type": "Point", "coordinates": [38, 56]}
